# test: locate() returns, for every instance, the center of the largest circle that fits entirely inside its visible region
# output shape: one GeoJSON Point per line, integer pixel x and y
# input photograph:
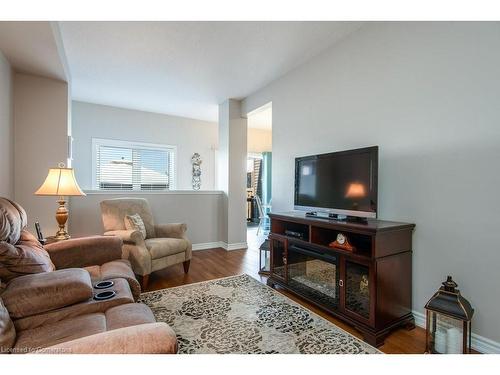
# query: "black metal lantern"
{"type": "Point", "coordinates": [265, 258]}
{"type": "Point", "coordinates": [448, 329]}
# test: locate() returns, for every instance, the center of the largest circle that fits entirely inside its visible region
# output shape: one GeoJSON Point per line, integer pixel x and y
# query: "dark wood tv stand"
{"type": "Point", "coordinates": [369, 287]}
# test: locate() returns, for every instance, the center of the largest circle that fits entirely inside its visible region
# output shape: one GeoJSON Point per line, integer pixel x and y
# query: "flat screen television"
{"type": "Point", "coordinates": [339, 184]}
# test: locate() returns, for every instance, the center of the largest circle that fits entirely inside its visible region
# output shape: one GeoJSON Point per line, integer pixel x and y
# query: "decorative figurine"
{"type": "Point", "coordinates": [364, 286]}
{"type": "Point", "coordinates": [196, 161]}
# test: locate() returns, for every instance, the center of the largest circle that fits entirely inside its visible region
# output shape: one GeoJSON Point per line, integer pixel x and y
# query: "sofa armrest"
{"type": "Point", "coordinates": [151, 338]}
{"type": "Point", "coordinates": [41, 292]}
{"type": "Point", "coordinates": [84, 251]}
{"type": "Point", "coordinates": [176, 230]}
{"type": "Point", "coordinates": [128, 236]}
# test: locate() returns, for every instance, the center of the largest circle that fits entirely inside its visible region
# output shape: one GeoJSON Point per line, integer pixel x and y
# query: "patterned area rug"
{"type": "Point", "coordinates": [238, 314]}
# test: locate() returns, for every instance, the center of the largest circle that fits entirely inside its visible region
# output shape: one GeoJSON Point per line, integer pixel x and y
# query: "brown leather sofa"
{"type": "Point", "coordinates": [47, 304]}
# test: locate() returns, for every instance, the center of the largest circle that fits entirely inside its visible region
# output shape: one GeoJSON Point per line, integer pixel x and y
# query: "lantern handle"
{"type": "Point", "coordinates": [449, 285]}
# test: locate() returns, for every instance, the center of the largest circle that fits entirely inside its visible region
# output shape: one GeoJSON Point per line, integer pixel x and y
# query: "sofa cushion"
{"type": "Point", "coordinates": [162, 247]}
{"type": "Point", "coordinates": [90, 306]}
{"type": "Point", "coordinates": [134, 222]}
{"type": "Point", "coordinates": [25, 257]}
{"type": "Point", "coordinates": [7, 330]}
{"type": "Point", "coordinates": [152, 338]}
{"type": "Point", "coordinates": [35, 294]}
{"type": "Point", "coordinates": [13, 220]}
{"type": "Point", "coordinates": [127, 315]}
{"type": "Point", "coordinates": [62, 331]}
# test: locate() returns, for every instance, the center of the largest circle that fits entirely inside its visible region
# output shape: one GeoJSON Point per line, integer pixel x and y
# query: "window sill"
{"type": "Point", "coordinates": [167, 192]}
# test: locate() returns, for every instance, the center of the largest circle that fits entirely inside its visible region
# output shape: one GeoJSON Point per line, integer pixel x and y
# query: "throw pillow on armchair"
{"type": "Point", "coordinates": [135, 222]}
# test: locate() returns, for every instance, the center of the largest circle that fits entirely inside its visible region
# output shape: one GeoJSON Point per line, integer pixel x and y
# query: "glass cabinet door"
{"type": "Point", "coordinates": [314, 275]}
{"type": "Point", "coordinates": [357, 289]}
{"type": "Point", "coordinates": [278, 259]}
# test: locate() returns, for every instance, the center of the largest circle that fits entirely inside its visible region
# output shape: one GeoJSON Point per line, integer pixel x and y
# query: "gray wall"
{"type": "Point", "coordinates": [427, 94]}
{"type": "Point", "coordinates": [6, 130]}
{"type": "Point", "coordinates": [189, 135]}
{"type": "Point", "coordinates": [201, 211]}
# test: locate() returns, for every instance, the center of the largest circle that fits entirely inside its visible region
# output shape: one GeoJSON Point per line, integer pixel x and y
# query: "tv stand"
{"type": "Point", "coordinates": [368, 287]}
{"type": "Point", "coordinates": [337, 217]}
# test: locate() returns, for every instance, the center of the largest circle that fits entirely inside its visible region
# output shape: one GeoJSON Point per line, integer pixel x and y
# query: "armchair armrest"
{"type": "Point", "coordinates": [41, 292]}
{"type": "Point", "coordinates": [85, 251]}
{"type": "Point", "coordinates": [134, 249]}
{"type": "Point", "coordinates": [151, 338]}
{"type": "Point", "coordinates": [176, 230]}
{"type": "Point", "coordinates": [127, 236]}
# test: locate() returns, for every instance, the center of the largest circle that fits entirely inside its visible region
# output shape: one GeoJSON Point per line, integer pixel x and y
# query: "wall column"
{"type": "Point", "coordinates": [231, 173]}
{"type": "Point", "coordinates": [40, 142]}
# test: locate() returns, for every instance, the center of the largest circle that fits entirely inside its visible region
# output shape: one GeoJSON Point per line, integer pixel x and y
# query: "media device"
{"type": "Point", "coordinates": [339, 185]}
{"type": "Point", "coordinates": [39, 233]}
{"type": "Point", "coordinates": [295, 234]}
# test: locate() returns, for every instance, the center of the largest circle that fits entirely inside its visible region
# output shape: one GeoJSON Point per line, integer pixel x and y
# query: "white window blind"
{"type": "Point", "coordinates": [123, 165]}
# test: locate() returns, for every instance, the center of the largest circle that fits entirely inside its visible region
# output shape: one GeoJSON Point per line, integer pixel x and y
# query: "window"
{"type": "Point", "coordinates": [124, 165]}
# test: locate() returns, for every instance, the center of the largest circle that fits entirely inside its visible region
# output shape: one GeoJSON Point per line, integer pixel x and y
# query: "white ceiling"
{"type": "Point", "coordinates": [187, 68]}
{"type": "Point", "coordinates": [34, 48]}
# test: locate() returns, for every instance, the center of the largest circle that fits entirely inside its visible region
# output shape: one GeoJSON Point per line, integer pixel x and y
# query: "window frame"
{"type": "Point", "coordinates": [97, 142]}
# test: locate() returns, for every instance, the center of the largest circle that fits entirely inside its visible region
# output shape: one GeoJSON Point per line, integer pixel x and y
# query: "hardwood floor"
{"type": "Point", "coordinates": [216, 263]}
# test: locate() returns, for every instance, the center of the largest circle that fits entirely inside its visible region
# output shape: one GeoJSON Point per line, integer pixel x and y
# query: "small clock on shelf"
{"type": "Point", "coordinates": [342, 242]}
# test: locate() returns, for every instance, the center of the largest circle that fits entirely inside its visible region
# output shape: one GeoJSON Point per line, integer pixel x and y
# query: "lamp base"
{"type": "Point", "coordinates": [62, 215]}
{"type": "Point", "coordinates": [60, 236]}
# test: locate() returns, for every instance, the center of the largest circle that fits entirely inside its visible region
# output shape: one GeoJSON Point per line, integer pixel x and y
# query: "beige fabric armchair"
{"type": "Point", "coordinates": [164, 245]}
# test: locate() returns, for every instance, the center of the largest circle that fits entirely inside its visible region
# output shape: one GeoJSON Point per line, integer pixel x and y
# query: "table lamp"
{"type": "Point", "coordinates": [61, 182]}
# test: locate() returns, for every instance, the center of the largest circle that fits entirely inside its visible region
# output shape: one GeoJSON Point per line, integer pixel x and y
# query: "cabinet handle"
{"type": "Point", "coordinates": [341, 282]}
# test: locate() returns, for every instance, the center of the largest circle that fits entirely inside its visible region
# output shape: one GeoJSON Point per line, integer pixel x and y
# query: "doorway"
{"type": "Point", "coordinates": [259, 175]}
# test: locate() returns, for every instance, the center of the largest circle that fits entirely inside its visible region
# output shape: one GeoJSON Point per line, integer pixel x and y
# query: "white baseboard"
{"type": "Point", "coordinates": [479, 343]}
{"type": "Point", "coordinates": [419, 318]}
{"type": "Point", "coordinates": [234, 246]}
{"type": "Point", "coordinates": [206, 245]}
{"type": "Point", "coordinates": [224, 245]}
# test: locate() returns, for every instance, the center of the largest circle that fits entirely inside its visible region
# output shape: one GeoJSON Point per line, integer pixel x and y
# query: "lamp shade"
{"type": "Point", "coordinates": [60, 181]}
{"type": "Point", "coordinates": [356, 190]}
